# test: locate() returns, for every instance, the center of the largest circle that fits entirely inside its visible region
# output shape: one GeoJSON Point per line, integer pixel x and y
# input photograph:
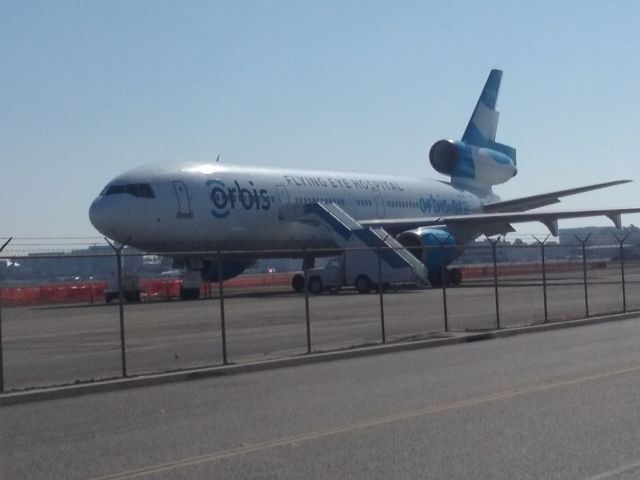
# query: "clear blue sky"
{"type": "Point", "coordinates": [91, 88]}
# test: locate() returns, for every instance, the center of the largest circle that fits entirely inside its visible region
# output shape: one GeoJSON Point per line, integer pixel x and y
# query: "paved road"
{"type": "Point", "coordinates": [560, 404]}
{"type": "Point", "coordinates": [55, 345]}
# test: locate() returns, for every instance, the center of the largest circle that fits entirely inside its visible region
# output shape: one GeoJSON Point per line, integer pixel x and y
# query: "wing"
{"type": "Point", "coordinates": [543, 199]}
{"type": "Point", "coordinates": [495, 222]}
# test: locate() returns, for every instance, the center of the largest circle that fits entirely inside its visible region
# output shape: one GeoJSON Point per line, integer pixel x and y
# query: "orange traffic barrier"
{"type": "Point", "coordinates": [165, 289]}
{"type": "Point", "coordinates": [150, 289]}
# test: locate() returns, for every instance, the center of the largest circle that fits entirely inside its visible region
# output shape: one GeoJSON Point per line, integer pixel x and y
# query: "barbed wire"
{"type": "Point", "coordinates": [27, 245]}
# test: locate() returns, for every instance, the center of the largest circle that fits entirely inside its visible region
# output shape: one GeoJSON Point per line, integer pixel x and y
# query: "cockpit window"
{"type": "Point", "coordinates": [112, 190]}
{"type": "Point", "coordinates": [146, 191]}
{"type": "Point", "coordinates": [132, 189]}
{"type": "Point", "coordinates": [140, 190]}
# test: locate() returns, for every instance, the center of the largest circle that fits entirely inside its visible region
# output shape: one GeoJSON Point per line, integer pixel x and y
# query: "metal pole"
{"type": "Point", "coordinates": [380, 291]}
{"type": "Point", "coordinates": [223, 325]}
{"type": "Point", "coordinates": [544, 285]}
{"type": "Point", "coordinates": [495, 285]}
{"type": "Point", "coordinates": [584, 275]}
{"type": "Point", "coordinates": [1, 351]}
{"type": "Point", "coordinates": [624, 289]}
{"type": "Point", "coordinates": [443, 279]}
{"type": "Point", "coordinates": [544, 277]}
{"type": "Point", "coordinates": [123, 353]}
{"type": "Point", "coordinates": [584, 272]}
{"type": "Point", "coordinates": [305, 265]}
{"type": "Point", "coordinates": [495, 281]}
{"type": "Point", "coordinates": [1, 341]}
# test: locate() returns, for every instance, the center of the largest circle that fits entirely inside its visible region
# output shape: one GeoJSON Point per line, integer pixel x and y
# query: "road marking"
{"type": "Point", "coordinates": [291, 440]}
{"type": "Point", "coordinates": [616, 471]}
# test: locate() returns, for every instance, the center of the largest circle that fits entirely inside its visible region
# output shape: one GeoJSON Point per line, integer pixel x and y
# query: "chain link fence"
{"type": "Point", "coordinates": [68, 318]}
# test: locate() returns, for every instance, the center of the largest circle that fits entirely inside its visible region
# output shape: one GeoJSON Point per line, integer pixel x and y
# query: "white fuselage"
{"type": "Point", "coordinates": [186, 207]}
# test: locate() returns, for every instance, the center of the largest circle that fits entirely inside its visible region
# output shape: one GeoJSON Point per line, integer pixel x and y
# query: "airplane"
{"type": "Point", "coordinates": [186, 209]}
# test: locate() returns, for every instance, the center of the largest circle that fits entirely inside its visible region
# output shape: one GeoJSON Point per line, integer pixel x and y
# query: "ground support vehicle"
{"type": "Point", "coordinates": [130, 288]}
{"type": "Point", "coordinates": [361, 269]}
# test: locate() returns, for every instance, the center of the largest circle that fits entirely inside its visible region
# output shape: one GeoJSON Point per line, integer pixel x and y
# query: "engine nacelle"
{"type": "Point", "coordinates": [482, 165]}
{"type": "Point", "coordinates": [433, 246]}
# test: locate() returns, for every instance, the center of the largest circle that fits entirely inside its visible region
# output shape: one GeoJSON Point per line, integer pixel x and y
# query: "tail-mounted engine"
{"type": "Point", "coordinates": [476, 166]}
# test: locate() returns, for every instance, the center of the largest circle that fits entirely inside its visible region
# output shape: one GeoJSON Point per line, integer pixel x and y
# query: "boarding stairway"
{"type": "Point", "coordinates": [349, 234]}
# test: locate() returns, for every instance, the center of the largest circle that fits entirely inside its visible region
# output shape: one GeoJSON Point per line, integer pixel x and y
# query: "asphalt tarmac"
{"type": "Point", "coordinates": [554, 405]}
{"type": "Point", "coordinates": [54, 345]}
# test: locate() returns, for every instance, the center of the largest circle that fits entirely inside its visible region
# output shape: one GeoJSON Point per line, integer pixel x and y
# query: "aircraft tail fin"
{"type": "Point", "coordinates": [482, 126]}
{"type": "Point", "coordinates": [477, 161]}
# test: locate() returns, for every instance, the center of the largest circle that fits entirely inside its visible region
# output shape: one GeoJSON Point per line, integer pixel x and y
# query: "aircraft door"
{"type": "Point", "coordinates": [379, 201]}
{"type": "Point", "coordinates": [184, 202]}
{"type": "Point", "coordinates": [283, 197]}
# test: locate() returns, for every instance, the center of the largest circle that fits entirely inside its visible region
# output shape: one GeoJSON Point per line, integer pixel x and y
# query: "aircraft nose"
{"type": "Point", "coordinates": [100, 217]}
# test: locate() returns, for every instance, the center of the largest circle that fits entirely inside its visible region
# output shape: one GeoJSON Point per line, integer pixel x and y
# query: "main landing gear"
{"type": "Point", "coordinates": [453, 277]}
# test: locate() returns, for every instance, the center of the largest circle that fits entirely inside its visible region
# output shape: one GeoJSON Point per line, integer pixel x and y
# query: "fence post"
{"type": "Point", "coordinates": [223, 324]}
{"type": "Point", "coordinates": [624, 289]}
{"type": "Point", "coordinates": [380, 291]}
{"type": "Point", "coordinates": [123, 354]}
{"type": "Point", "coordinates": [495, 278]}
{"type": "Point", "coordinates": [443, 279]}
{"type": "Point", "coordinates": [544, 277]}
{"type": "Point", "coordinates": [1, 341]}
{"type": "Point", "coordinates": [305, 266]}
{"type": "Point", "coordinates": [584, 271]}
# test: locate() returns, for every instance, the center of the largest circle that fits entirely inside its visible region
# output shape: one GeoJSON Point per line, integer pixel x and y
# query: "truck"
{"type": "Point", "coordinates": [357, 268]}
{"type": "Point", "coordinates": [130, 288]}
